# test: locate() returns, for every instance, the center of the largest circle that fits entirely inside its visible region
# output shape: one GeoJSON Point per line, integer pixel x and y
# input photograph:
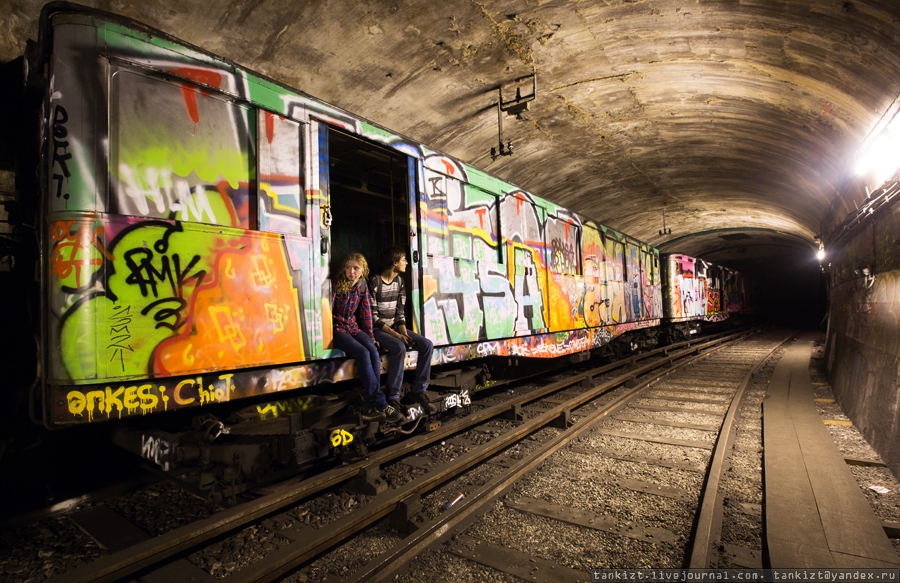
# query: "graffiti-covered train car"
{"type": "Point", "coordinates": [696, 291]}
{"type": "Point", "coordinates": [193, 210]}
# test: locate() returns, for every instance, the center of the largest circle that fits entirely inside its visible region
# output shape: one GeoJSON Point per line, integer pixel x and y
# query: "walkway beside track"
{"type": "Point", "coordinates": [816, 515]}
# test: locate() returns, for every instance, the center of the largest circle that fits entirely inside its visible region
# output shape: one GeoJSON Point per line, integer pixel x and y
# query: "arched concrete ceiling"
{"type": "Point", "coordinates": [738, 118]}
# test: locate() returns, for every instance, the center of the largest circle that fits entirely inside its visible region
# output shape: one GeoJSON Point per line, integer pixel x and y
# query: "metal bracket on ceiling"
{"type": "Point", "coordinates": [514, 106]}
{"type": "Point", "coordinates": [664, 230]}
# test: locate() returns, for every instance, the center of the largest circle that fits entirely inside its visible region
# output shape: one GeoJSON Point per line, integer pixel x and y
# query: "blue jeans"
{"type": "Point", "coordinates": [397, 356]}
{"type": "Point", "coordinates": [360, 348]}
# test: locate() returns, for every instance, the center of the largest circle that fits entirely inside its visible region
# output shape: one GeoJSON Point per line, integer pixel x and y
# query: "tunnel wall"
{"type": "Point", "coordinates": [863, 349]}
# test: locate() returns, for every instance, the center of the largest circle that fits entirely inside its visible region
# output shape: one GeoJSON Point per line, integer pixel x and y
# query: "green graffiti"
{"type": "Point", "coordinates": [374, 131]}
{"type": "Point", "coordinates": [528, 293]}
{"type": "Point", "coordinates": [467, 327]}
{"type": "Point", "coordinates": [155, 271]}
{"type": "Point", "coordinates": [156, 150]}
{"type": "Point", "coordinates": [499, 314]}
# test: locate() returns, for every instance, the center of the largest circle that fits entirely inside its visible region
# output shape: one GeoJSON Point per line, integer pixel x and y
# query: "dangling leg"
{"type": "Point", "coordinates": [424, 347]}
{"type": "Point", "coordinates": [362, 356]}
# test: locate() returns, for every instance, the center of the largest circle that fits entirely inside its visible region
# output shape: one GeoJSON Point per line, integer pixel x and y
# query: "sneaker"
{"type": "Point", "coordinates": [392, 415]}
{"type": "Point", "coordinates": [372, 414]}
{"type": "Point", "coordinates": [398, 406]}
{"type": "Point", "coordinates": [422, 399]}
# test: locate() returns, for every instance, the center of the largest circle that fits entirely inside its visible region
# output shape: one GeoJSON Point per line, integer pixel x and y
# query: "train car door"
{"type": "Point", "coordinates": [368, 190]}
{"type": "Point", "coordinates": [281, 207]}
{"type": "Point", "coordinates": [616, 277]}
{"type": "Point", "coordinates": [596, 297]}
{"type": "Point", "coordinates": [633, 289]}
{"type": "Point", "coordinates": [563, 260]}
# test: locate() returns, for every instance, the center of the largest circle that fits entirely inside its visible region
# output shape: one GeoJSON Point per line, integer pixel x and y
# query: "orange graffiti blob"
{"type": "Point", "coordinates": [429, 287]}
{"type": "Point", "coordinates": [560, 306]}
{"type": "Point", "coordinates": [247, 315]}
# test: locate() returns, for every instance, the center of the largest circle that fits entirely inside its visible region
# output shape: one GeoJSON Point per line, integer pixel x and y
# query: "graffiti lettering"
{"type": "Point", "coordinates": [214, 394]}
{"type": "Point", "coordinates": [148, 276]}
{"type": "Point", "coordinates": [122, 399]}
{"type": "Point", "coordinates": [529, 300]}
{"type": "Point", "coordinates": [156, 450]}
{"type": "Point", "coordinates": [119, 334]}
{"type": "Point", "coordinates": [60, 159]}
{"type": "Point", "coordinates": [562, 256]}
{"type": "Point", "coordinates": [169, 195]}
{"type": "Point", "coordinates": [295, 405]}
{"type": "Point", "coordinates": [488, 348]}
{"type": "Point", "coordinates": [340, 437]}
{"type": "Point", "coordinates": [78, 252]}
{"type": "Point", "coordinates": [460, 399]}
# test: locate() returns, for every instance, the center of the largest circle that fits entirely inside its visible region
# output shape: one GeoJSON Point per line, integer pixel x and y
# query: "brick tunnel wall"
{"type": "Point", "coordinates": [863, 351]}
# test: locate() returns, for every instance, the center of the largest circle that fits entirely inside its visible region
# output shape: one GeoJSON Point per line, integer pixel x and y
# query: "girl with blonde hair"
{"type": "Point", "coordinates": [351, 310]}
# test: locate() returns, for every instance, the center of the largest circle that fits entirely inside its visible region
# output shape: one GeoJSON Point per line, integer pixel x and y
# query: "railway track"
{"type": "Point", "coordinates": [515, 432]}
{"type": "Point", "coordinates": [536, 512]}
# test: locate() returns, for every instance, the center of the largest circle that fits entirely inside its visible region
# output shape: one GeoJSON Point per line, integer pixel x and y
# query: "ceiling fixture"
{"type": "Point", "coordinates": [664, 230]}
{"type": "Point", "coordinates": [514, 106]}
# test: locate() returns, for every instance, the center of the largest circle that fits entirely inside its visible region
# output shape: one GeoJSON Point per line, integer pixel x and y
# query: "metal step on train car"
{"type": "Point", "coordinates": [191, 212]}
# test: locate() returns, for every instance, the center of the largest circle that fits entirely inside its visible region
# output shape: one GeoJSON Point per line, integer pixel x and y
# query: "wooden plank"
{"type": "Point", "coordinates": [111, 530]}
{"type": "Point", "coordinates": [593, 520]}
{"type": "Point", "coordinates": [852, 461]}
{"type": "Point", "coordinates": [794, 533]}
{"type": "Point", "coordinates": [693, 391]}
{"type": "Point", "coordinates": [743, 557]}
{"type": "Point", "coordinates": [843, 422]}
{"type": "Point", "coordinates": [850, 524]}
{"type": "Point", "coordinates": [651, 420]}
{"type": "Point", "coordinates": [892, 529]}
{"type": "Point", "coordinates": [114, 532]}
{"type": "Point", "coordinates": [420, 462]}
{"type": "Point", "coordinates": [842, 515]}
{"type": "Point", "coordinates": [655, 489]}
{"type": "Point", "coordinates": [502, 460]}
{"type": "Point", "coordinates": [823, 400]}
{"type": "Point", "coordinates": [677, 409]}
{"type": "Point", "coordinates": [516, 563]}
{"type": "Point", "coordinates": [663, 440]}
{"type": "Point", "coordinates": [693, 385]}
{"type": "Point", "coordinates": [181, 571]}
{"type": "Point", "coordinates": [639, 459]}
{"type": "Point", "coordinates": [297, 531]}
{"type": "Point", "coordinates": [750, 509]}
{"type": "Point", "coordinates": [687, 399]}
{"type": "Point", "coordinates": [460, 441]}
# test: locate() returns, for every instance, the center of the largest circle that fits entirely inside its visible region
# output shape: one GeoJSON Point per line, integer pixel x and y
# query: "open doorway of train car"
{"type": "Point", "coordinates": [369, 187]}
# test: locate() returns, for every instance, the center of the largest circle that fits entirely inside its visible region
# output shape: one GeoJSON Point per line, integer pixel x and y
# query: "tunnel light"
{"type": "Point", "coordinates": [820, 254]}
{"type": "Point", "coordinates": [881, 157]}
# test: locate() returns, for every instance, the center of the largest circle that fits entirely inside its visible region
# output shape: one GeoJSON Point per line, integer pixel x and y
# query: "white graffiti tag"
{"type": "Point", "coordinates": [457, 400]}
{"type": "Point", "coordinates": [156, 450]}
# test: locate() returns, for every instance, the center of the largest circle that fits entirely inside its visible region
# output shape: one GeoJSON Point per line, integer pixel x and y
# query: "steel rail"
{"type": "Point", "coordinates": [709, 521]}
{"type": "Point", "coordinates": [281, 562]}
{"type": "Point", "coordinates": [157, 550]}
{"type": "Point", "coordinates": [386, 565]}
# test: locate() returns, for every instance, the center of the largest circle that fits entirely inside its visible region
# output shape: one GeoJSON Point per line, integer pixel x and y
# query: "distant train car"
{"type": "Point", "coordinates": [695, 291]}
{"type": "Point", "coordinates": [192, 210]}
